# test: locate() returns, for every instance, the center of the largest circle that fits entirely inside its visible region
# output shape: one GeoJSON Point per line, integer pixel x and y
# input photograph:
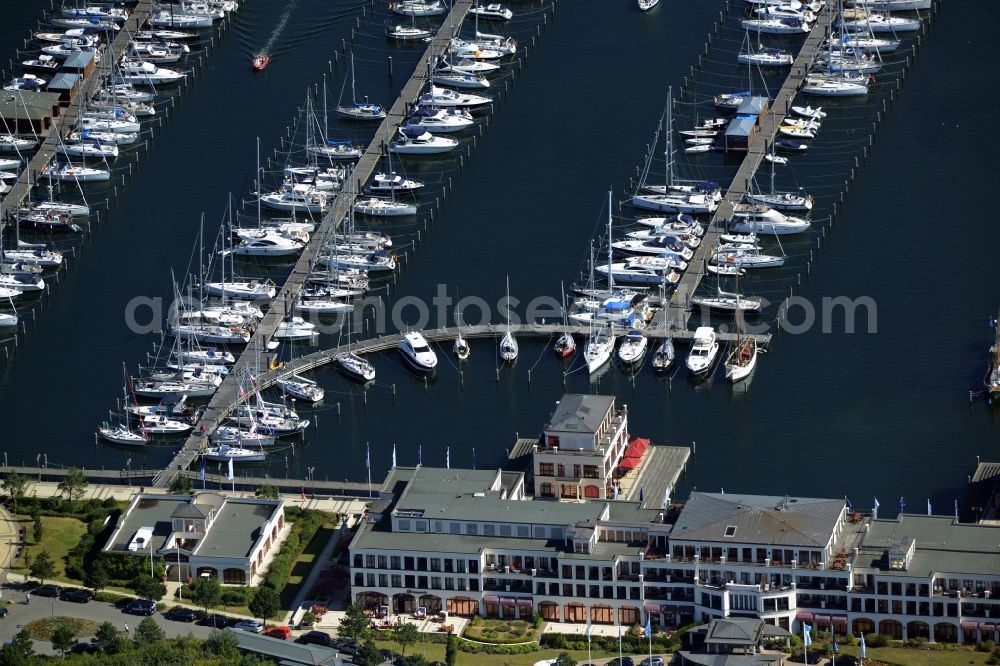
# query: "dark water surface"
{"type": "Point", "coordinates": [883, 414]}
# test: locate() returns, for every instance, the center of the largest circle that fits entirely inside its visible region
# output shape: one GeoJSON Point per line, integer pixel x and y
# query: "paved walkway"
{"type": "Point", "coordinates": [8, 542]}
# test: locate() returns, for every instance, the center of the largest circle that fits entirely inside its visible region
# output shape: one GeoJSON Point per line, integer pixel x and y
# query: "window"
{"type": "Point", "coordinates": [370, 561]}
{"type": "Point", "coordinates": [435, 564]}
{"type": "Point", "coordinates": [461, 584]}
{"type": "Point", "coordinates": [420, 525]}
{"type": "Point", "coordinates": [472, 529]}
{"type": "Point", "coordinates": [449, 583]}
{"type": "Point", "coordinates": [505, 530]}
{"type": "Point", "coordinates": [397, 580]}
{"type": "Point", "coordinates": [438, 526]}
{"type": "Point", "coordinates": [460, 566]}
{"type": "Point", "coordinates": [382, 562]}
{"type": "Point", "coordinates": [561, 470]}
{"type": "Point", "coordinates": [522, 531]}
{"type": "Point", "coordinates": [383, 580]}
{"type": "Point", "coordinates": [371, 580]}
{"type": "Point", "coordinates": [394, 561]}
{"type": "Point", "coordinates": [545, 469]}
{"type": "Point", "coordinates": [435, 582]}
{"type": "Point", "coordinates": [539, 532]}
{"type": "Point", "coordinates": [489, 530]}
{"type": "Point", "coordinates": [404, 525]}
{"type": "Point", "coordinates": [474, 566]}
{"type": "Point", "coordinates": [552, 440]}
{"type": "Point", "coordinates": [730, 531]}
{"type": "Point", "coordinates": [455, 528]}
{"type": "Point", "coordinates": [577, 471]}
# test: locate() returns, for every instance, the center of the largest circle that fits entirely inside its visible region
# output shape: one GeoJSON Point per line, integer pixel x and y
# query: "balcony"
{"type": "Point", "coordinates": [494, 585]}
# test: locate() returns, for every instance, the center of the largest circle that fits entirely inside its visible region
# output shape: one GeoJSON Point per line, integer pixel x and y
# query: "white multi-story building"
{"type": "Point", "coordinates": [471, 542]}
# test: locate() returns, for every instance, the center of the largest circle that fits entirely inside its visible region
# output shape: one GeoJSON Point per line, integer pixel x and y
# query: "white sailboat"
{"type": "Point", "coordinates": [566, 344]}
{"type": "Point", "coordinates": [508, 345]}
{"type": "Point", "coordinates": [600, 344]}
{"type": "Point", "coordinates": [359, 110]}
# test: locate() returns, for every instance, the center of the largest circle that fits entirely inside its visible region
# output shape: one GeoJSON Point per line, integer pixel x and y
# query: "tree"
{"type": "Point", "coordinates": [108, 638]}
{"type": "Point", "coordinates": [149, 631]}
{"type": "Point", "coordinates": [38, 531]}
{"type": "Point", "coordinates": [63, 638]}
{"type": "Point", "coordinates": [42, 567]}
{"type": "Point", "coordinates": [97, 577]}
{"type": "Point", "coordinates": [407, 634]}
{"type": "Point", "coordinates": [355, 623]}
{"type": "Point", "coordinates": [368, 655]}
{"type": "Point", "coordinates": [206, 592]}
{"type": "Point", "coordinates": [264, 603]}
{"type": "Point", "coordinates": [415, 660]}
{"type": "Point", "coordinates": [14, 486]}
{"type": "Point", "coordinates": [451, 651]}
{"type": "Point", "coordinates": [147, 587]}
{"type": "Point", "coordinates": [565, 660]}
{"type": "Point", "coordinates": [74, 484]}
{"type": "Point", "coordinates": [181, 485]}
{"type": "Point", "coordinates": [267, 492]}
{"type": "Point", "coordinates": [18, 651]}
{"type": "Point", "coordinates": [222, 644]}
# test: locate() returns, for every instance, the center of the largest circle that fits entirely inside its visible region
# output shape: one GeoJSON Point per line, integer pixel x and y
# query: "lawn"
{"type": "Point", "coordinates": [59, 536]}
{"type": "Point", "coordinates": [42, 630]}
{"type": "Point", "coordinates": [501, 631]}
{"type": "Point", "coordinates": [435, 652]}
{"type": "Point", "coordinates": [304, 563]}
{"type": "Point", "coordinates": [918, 657]}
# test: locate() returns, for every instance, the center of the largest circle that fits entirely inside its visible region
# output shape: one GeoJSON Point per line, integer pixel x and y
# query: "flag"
{"type": "Point", "coordinates": [368, 457]}
{"type": "Point", "coordinates": [201, 470]}
{"type": "Point", "coordinates": [473, 457]}
{"type": "Point", "coordinates": [849, 507]}
{"type": "Point", "coordinates": [836, 648]}
{"type": "Point", "coordinates": [420, 454]}
{"type": "Point", "coordinates": [902, 504]}
{"type": "Point", "coordinates": [928, 507]}
{"type": "Point", "coordinates": [587, 630]}
{"type": "Point", "coordinates": [875, 509]}
{"type": "Point", "coordinates": [806, 636]}
{"type": "Point", "coordinates": [642, 495]}
{"type": "Point", "coordinates": [394, 456]}
{"type": "Point", "coordinates": [864, 650]}
{"type": "Point", "coordinates": [649, 628]}
{"type": "Point", "coordinates": [956, 510]}
{"type": "Point", "coordinates": [230, 475]}
{"type": "Point", "coordinates": [447, 458]}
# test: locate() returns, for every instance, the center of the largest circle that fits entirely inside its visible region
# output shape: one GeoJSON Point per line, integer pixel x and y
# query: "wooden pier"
{"type": "Point", "coordinates": [69, 115]}
{"type": "Point", "coordinates": [678, 313]}
{"type": "Point", "coordinates": [224, 399]}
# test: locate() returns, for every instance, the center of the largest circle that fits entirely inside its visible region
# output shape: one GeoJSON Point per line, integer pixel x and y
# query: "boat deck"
{"type": "Point", "coordinates": [678, 314]}
{"type": "Point", "coordinates": [225, 398]}
{"type": "Point", "coordinates": [63, 125]}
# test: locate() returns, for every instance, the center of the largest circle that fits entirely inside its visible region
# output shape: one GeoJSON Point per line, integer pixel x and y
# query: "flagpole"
{"type": "Point", "coordinates": [589, 660]}
{"type": "Point", "coordinates": [620, 660]}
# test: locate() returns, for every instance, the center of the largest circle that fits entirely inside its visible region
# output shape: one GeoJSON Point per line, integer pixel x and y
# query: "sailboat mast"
{"type": "Point", "coordinates": [668, 140]}
{"type": "Point", "coordinates": [326, 129]}
{"type": "Point", "coordinates": [611, 279]}
{"type": "Point", "coordinates": [257, 179]}
{"type": "Point", "coordinates": [354, 94]}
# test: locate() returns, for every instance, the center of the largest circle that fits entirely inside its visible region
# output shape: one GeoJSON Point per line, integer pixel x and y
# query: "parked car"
{"type": "Point", "coordinates": [655, 660]}
{"type": "Point", "coordinates": [3, 611]}
{"type": "Point", "coordinates": [349, 646]}
{"type": "Point", "coordinates": [216, 620]}
{"type": "Point", "coordinates": [85, 648]}
{"type": "Point", "coordinates": [141, 607]}
{"type": "Point", "coordinates": [180, 614]}
{"type": "Point", "coordinates": [47, 590]}
{"type": "Point", "coordinates": [621, 661]}
{"type": "Point", "coordinates": [281, 631]}
{"type": "Point", "coordinates": [316, 638]}
{"type": "Point", "coordinates": [77, 596]}
{"type": "Point", "coordinates": [252, 626]}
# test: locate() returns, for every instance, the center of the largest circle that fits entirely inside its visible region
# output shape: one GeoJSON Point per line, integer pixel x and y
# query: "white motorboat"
{"type": "Point", "coordinates": [393, 182]}
{"type": "Point", "coordinates": [67, 172]}
{"type": "Point", "coordinates": [161, 425]}
{"type": "Point", "coordinates": [766, 58]}
{"type": "Point", "coordinates": [421, 142]}
{"type": "Point", "coordinates": [379, 207]}
{"type": "Point", "coordinates": [645, 270]}
{"type": "Point", "coordinates": [742, 360]}
{"type": "Point", "coordinates": [65, 49]}
{"type": "Point", "coordinates": [823, 87]}
{"type": "Point", "coordinates": [442, 98]}
{"type": "Point", "coordinates": [249, 290]}
{"type": "Point", "coordinates": [783, 25]}
{"type": "Point", "coordinates": [268, 244]}
{"type": "Point", "coordinates": [417, 8]}
{"type": "Point", "coordinates": [235, 436]}
{"type": "Point", "coordinates": [174, 406]}
{"type": "Point", "coordinates": [336, 150]}
{"type": "Point", "coordinates": [776, 159]}
{"type": "Point", "coordinates": [693, 204]}
{"type": "Point", "coordinates": [459, 80]}
{"type": "Point", "coordinates": [142, 73]}
{"type": "Point", "coordinates": [121, 434]}
{"type": "Point", "coordinates": [94, 11]}
{"type": "Point", "coordinates": [703, 351]}
{"type": "Point", "coordinates": [731, 101]}
{"type": "Point", "coordinates": [663, 357]}
{"type": "Point", "coordinates": [690, 241]}
{"type": "Point", "coordinates": [296, 199]}
{"type": "Point", "coordinates": [600, 345]}
{"type": "Point", "coordinates": [324, 179]}
{"type": "Point", "coordinates": [405, 33]}
{"type": "Point", "coordinates": [675, 225]}
{"type": "Point", "coordinates": [439, 121]}
{"type": "Point", "coordinates": [301, 388]}
{"type": "Point", "coordinates": [415, 351]}
{"type": "Point", "coordinates": [109, 138]}
{"type": "Point", "coordinates": [633, 347]}
{"type": "Point", "coordinates": [8, 293]}
{"type": "Point", "coordinates": [809, 112]}
{"type": "Point", "coordinates": [15, 144]}
{"type": "Point", "coordinates": [294, 328]}
{"type": "Point", "coordinates": [226, 453]}
{"type": "Point", "coordinates": [646, 5]}
{"type": "Point", "coordinates": [88, 150]}
{"type": "Point", "coordinates": [786, 10]}
{"type": "Point", "coordinates": [75, 35]}
{"type": "Point", "coordinates": [757, 218]}
{"type": "Point", "coordinates": [45, 64]}
{"type": "Point", "coordinates": [782, 200]}
{"type": "Point", "coordinates": [880, 23]}
{"type": "Point", "coordinates": [492, 11]}
{"type": "Point", "coordinates": [451, 63]}
{"type": "Point", "coordinates": [8, 164]}
{"type": "Point", "coordinates": [171, 19]}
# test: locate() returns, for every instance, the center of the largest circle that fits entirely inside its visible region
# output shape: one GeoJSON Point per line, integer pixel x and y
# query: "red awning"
{"type": "Point", "coordinates": [491, 599]}
{"type": "Point", "coordinates": [524, 602]}
{"type": "Point", "coordinates": [969, 624]}
{"type": "Point", "coordinates": [652, 608]}
{"type": "Point", "coordinates": [839, 619]}
{"type": "Point", "coordinates": [628, 463]}
{"type": "Point", "coordinates": [805, 616]}
{"type": "Point", "coordinates": [507, 600]}
{"type": "Point", "coordinates": [986, 626]}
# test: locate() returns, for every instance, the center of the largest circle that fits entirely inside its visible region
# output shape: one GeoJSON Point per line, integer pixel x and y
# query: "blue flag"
{"type": "Point", "coordinates": [368, 457]}
{"type": "Point", "coordinates": [806, 635]}
{"type": "Point", "coordinates": [642, 496]}
{"type": "Point", "coordinates": [588, 630]}
{"type": "Point", "coordinates": [928, 507]}
{"type": "Point", "coordinates": [649, 628]}
{"type": "Point", "coordinates": [394, 456]}
{"type": "Point", "coordinates": [902, 504]}
{"type": "Point", "coordinates": [849, 507]}
{"type": "Point", "coordinates": [201, 470]}
{"type": "Point", "coordinates": [864, 650]}
{"type": "Point", "coordinates": [836, 648]}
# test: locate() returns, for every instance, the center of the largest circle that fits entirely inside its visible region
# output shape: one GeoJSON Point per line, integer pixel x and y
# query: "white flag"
{"type": "Point", "coordinates": [230, 476]}
{"type": "Point", "coordinates": [394, 456]}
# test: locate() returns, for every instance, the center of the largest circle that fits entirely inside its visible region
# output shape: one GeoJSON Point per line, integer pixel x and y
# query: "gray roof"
{"type": "Point", "coordinates": [236, 528]}
{"type": "Point", "coordinates": [942, 545]}
{"type": "Point", "coordinates": [63, 81]}
{"type": "Point", "coordinates": [147, 511]}
{"type": "Point", "coordinates": [702, 659]}
{"type": "Point", "coordinates": [734, 631]}
{"type": "Point", "coordinates": [285, 652]}
{"type": "Point", "coordinates": [580, 413]}
{"type": "Point", "coordinates": [752, 106]}
{"type": "Point", "coordinates": [191, 510]}
{"type": "Point", "coordinates": [28, 104]}
{"type": "Point", "coordinates": [78, 60]}
{"type": "Point", "coordinates": [758, 519]}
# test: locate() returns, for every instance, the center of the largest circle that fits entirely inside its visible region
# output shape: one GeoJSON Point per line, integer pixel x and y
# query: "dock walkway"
{"type": "Point", "coordinates": [678, 313]}
{"type": "Point", "coordinates": [64, 124]}
{"type": "Point", "coordinates": [225, 398]}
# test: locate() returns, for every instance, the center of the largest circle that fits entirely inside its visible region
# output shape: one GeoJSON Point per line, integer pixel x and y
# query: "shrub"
{"type": "Point", "coordinates": [235, 596]}
{"type": "Point", "coordinates": [986, 646]}
{"type": "Point", "coordinates": [994, 658]}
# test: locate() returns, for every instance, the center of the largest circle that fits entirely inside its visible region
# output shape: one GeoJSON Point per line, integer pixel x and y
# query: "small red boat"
{"type": "Point", "coordinates": [259, 62]}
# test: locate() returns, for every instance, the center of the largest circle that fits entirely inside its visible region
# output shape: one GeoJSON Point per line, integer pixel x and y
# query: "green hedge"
{"type": "Point", "coordinates": [100, 523]}
{"type": "Point", "coordinates": [305, 524]}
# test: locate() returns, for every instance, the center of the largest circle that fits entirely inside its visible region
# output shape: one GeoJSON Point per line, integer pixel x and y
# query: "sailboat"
{"type": "Point", "coordinates": [461, 347]}
{"type": "Point", "coordinates": [600, 344]}
{"type": "Point", "coordinates": [663, 358]}
{"type": "Point", "coordinates": [743, 359]}
{"type": "Point", "coordinates": [566, 344]}
{"type": "Point", "coordinates": [992, 379]}
{"type": "Point", "coordinates": [323, 146]}
{"type": "Point", "coordinates": [353, 365]}
{"type": "Point", "coordinates": [508, 345]}
{"type": "Point", "coordinates": [359, 110]}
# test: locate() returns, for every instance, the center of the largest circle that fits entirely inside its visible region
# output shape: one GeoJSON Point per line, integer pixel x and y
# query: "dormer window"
{"type": "Point", "coordinates": [730, 531]}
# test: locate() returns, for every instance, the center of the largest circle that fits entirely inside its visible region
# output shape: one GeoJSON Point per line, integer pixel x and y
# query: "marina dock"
{"type": "Point", "coordinates": [678, 313]}
{"type": "Point", "coordinates": [69, 115]}
{"type": "Point", "coordinates": [225, 398]}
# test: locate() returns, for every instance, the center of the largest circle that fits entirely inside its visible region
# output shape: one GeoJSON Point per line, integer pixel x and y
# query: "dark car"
{"type": "Point", "coordinates": [215, 620]}
{"type": "Point", "coordinates": [3, 611]}
{"type": "Point", "coordinates": [85, 648]}
{"type": "Point", "coordinates": [621, 661]}
{"type": "Point", "coordinates": [77, 596]}
{"type": "Point", "coordinates": [350, 646]}
{"type": "Point", "coordinates": [181, 615]}
{"type": "Point", "coordinates": [48, 590]}
{"type": "Point", "coordinates": [655, 660]}
{"type": "Point", "coordinates": [315, 638]}
{"type": "Point", "coordinates": [141, 607]}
